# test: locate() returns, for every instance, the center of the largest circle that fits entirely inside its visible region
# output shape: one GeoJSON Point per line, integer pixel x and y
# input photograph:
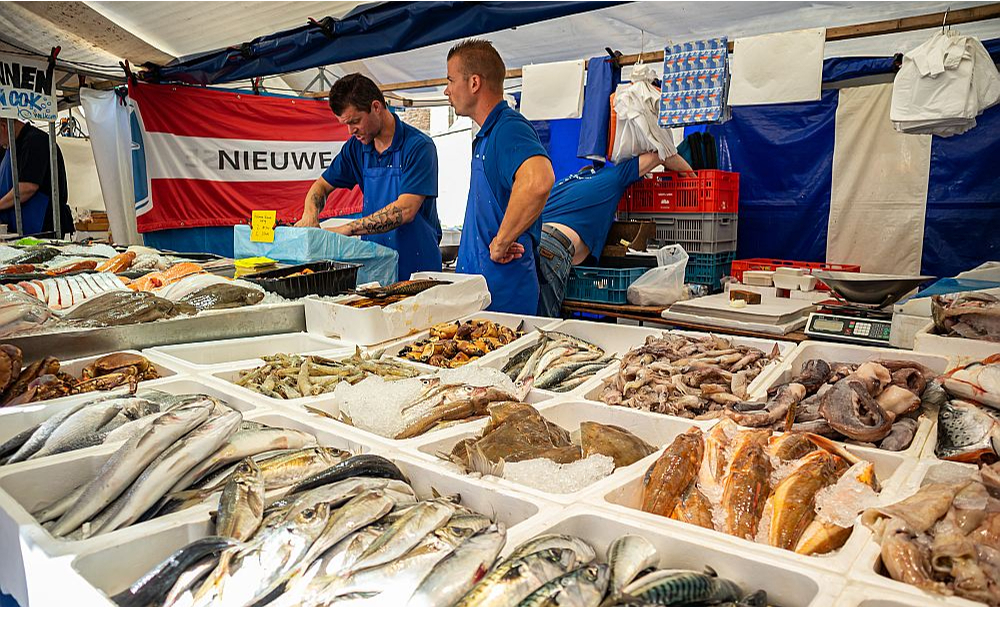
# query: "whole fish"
{"type": "Point", "coordinates": [128, 462]}
{"type": "Point", "coordinates": [584, 586]}
{"type": "Point", "coordinates": [181, 592]}
{"type": "Point", "coordinates": [621, 445]}
{"type": "Point", "coordinates": [967, 431]}
{"type": "Point", "coordinates": [123, 307]}
{"type": "Point", "coordinates": [670, 587]}
{"type": "Point", "coordinates": [161, 474]}
{"type": "Point", "coordinates": [978, 381]}
{"type": "Point", "coordinates": [223, 295]}
{"type": "Point", "coordinates": [41, 435]}
{"type": "Point", "coordinates": [628, 556]}
{"type": "Point", "coordinates": [793, 500]}
{"type": "Point", "coordinates": [671, 474]}
{"type": "Point", "coordinates": [12, 445]}
{"type": "Point", "coordinates": [694, 508]}
{"type": "Point", "coordinates": [405, 533]}
{"type": "Point", "coordinates": [241, 508]}
{"type": "Point", "coordinates": [356, 466]}
{"type": "Point", "coordinates": [516, 578]}
{"type": "Point", "coordinates": [747, 484]}
{"type": "Point", "coordinates": [583, 552]}
{"type": "Point", "coordinates": [88, 421]}
{"type": "Point", "coordinates": [458, 572]}
{"type": "Point", "coordinates": [406, 287]}
{"type": "Point", "coordinates": [712, 472]}
{"type": "Point", "coordinates": [152, 588]}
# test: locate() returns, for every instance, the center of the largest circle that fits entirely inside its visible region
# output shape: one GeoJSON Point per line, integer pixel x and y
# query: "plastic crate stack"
{"type": "Point", "coordinates": [604, 285]}
{"type": "Point", "coordinates": [699, 211]}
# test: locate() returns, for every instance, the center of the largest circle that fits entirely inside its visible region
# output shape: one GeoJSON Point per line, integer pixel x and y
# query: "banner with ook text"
{"type": "Point", "coordinates": [205, 157]}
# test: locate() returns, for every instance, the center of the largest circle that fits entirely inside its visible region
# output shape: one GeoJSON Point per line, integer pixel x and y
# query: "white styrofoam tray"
{"type": "Point", "coordinates": [868, 569]}
{"type": "Point", "coordinates": [204, 355]}
{"type": "Point", "coordinates": [960, 351]}
{"type": "Point", "coordinates": [16, 419]}
{"type": "Point", "coordinates": [26, 548]}
{"type": "Point", "coordinates": [856, 354]}
{"type": "Point", "coordinates": [860, 595]}
{"type": "Point", "coordinates": [787, 583]}
{"type": "Point", "coordinates": [624, 495]}
{"type": "Point", "coordinates": [653, 428]}
{"type": "Point", "coordinates": [90, 581]}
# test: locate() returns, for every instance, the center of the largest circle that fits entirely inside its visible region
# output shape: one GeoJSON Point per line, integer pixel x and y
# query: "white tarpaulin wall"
{"type": "Point", "coordinates": [85, 193]}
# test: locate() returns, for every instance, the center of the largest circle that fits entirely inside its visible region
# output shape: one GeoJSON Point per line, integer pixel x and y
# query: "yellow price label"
{"type": "Point", "coordinates": [262, 226]}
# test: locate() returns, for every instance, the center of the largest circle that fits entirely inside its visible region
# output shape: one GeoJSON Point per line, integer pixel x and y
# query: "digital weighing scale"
{"type": "Point", "coordinates": [858, 311]}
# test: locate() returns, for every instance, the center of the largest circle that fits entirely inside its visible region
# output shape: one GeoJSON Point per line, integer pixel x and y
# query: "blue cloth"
{"type": "Point", "coordinates": [554, 265]}
{"type": "Point", "coordinates": [505, 141]}
{"type": "Point", "coordinates": [215, 239]}
{"type": "Point", "coordinates": [408, 166]}
{"type": "Point", "coordinates": [33, 210]}
{"type": "Point", "coordinates": [587, 201]}
{"type": "Point", "coordinates": [602, 78]}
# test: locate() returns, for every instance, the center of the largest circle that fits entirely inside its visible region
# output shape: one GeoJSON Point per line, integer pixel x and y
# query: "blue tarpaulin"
{"type": "Point", "coordinates": [369, 30]}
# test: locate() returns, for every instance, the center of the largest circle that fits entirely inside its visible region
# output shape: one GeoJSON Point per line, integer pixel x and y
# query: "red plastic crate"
{"type": "Point", "coordinates": [702, 191]}
{"type": "Point", "coordinates": [769, 265]}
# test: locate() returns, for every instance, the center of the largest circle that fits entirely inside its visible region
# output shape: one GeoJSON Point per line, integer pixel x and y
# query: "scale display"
{"type": "Point", "coordinates": [848, 328]}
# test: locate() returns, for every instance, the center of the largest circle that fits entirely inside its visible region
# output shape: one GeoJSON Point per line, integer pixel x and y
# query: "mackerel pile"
{"type": "Point", "coordinates": [557, 362]}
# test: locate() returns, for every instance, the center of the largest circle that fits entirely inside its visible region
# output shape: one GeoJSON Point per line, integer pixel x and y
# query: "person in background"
{"type": "Point", "coordinates": [396, 166]}
{"type": "Point", "coordinates": [34, 173]}
{"type": "Point", "coordinates": [511, 178]}
{"type": "Point", "coordinates": [577, 217]}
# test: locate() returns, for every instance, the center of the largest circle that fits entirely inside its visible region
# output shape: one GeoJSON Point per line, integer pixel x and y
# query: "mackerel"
{"type": "Point", "coordinates": [516, 578]}
{"type": "Point", "coordinates": [459, 571]}
{"type": "Point", "coordinates": [582, 587]}
{"type": "Point", "coordinates": [406, 532]}
{"type": "Point", "coordinates": [629, 556]}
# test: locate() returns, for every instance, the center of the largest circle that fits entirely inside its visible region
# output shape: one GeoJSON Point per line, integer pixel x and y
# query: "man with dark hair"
{"type": "Point", "coordinates": [511, 178]}
{"type": "Point", "coordinates": [34, 174]}
{"type": "Point", "coordinates": [397, 169]}
{"type": "Point", "coordinates": [578, 216]}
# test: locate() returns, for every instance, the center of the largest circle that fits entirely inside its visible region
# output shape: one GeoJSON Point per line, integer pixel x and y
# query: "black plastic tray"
{"type": "Point", "coordinates": [328, 278]}
{"type": "Point", "coordinates": [627, 261]}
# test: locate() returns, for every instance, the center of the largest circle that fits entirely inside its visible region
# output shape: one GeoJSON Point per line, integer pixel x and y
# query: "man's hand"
{"type": "Point", "coordinates": [505, 252]}
{"type": "Point", "coordinates": [343, 229]}
{"type": "Point", "coordinates": [308, 220]}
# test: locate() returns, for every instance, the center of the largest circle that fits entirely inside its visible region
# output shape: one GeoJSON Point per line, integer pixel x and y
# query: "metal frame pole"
{"type": "Point", "coordinates": [54, 169]}
{"type": "Point", "coordinates": [11, 137]}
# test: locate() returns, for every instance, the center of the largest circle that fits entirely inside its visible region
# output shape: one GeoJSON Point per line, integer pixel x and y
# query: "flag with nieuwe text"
{"type": "Point", "coordinates": [205, 157]}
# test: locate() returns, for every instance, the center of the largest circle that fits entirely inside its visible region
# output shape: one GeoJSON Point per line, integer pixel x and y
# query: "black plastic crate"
{"type": "Point", "coordinates": [328, 278]}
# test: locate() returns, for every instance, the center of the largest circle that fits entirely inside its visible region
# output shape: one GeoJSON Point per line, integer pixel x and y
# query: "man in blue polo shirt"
{"type": "Point", "coordinates": [578, 216]}
{"type": "Point", "coordinates": [511, 178]}
{"type": "Point", "coordinates": [397, 169]}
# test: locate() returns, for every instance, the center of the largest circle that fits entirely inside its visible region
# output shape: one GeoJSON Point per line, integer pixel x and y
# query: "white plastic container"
{"type": "Point", "coordinates": [29, 554]}
{"type": "Point", "coordinates": [859, 595]}
{"type": "Point", "coordinates": [960, 351]}
{"type": "Point", "coordinates": [856, 354]}
{"type": "Point", "coordinates": [200, 357]}
{"type": "Point", "coordinates": [568, 414]}
{"type": "Point", "coordinates": [370, 326]}
{"type": "Point", "coordinates": [91, 582]}
{"type": "Point", "coordinates": [787, 583]}
{"type": "Point", "coordinates": [868, 570]}
{"type": "Point", "coordinates": [624, 495]}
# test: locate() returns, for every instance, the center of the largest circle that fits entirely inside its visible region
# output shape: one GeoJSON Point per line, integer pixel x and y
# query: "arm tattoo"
{"type": "Point", "coordinates": [319, 202]}
{"type": "Point", "coordinates": [382, 221]}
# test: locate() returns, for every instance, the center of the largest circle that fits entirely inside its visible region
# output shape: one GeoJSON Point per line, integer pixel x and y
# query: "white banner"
{"type": "Point", "coordinates": [26, 89]}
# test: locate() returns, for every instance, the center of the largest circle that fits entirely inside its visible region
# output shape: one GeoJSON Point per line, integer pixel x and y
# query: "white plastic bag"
{"type": "Point", "coordinates": [638, 130]}
{"type": "Point", "coordinates": [663, 285]}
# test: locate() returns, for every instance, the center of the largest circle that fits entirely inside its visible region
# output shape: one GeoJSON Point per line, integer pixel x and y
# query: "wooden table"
{"type": "Point", "coordinates": [652, 315]}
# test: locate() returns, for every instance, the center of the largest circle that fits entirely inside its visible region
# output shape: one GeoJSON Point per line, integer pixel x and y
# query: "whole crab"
{"type": "Point", "coordinates": [114, 370]}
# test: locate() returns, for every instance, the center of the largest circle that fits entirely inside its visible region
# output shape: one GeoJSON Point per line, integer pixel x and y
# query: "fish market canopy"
{"type": "Point", "coordinates": [96, 36]}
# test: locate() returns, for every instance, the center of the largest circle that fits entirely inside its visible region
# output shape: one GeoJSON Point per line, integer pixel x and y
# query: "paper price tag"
{"type": "Point", "coordinates": [262, 226]}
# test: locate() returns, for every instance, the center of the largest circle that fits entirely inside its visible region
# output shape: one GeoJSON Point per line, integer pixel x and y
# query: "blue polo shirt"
{"type": "Point", "coordinates": [419, 167]}
{"type": "Point", "coordinates": [587, 201]}
{"type": "Point", "coordinates": [510, 140]}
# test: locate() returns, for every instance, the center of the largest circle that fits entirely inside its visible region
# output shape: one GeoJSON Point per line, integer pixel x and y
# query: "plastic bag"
{"type": "Point", "coordinates": [663, 285]}
{"type": "Point", "coordinates": [637, 130]}
{"type": "Point", "coordinates": [302, 245]}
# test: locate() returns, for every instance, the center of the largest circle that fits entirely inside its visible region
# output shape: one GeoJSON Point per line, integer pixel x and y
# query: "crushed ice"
{"type": "Point", "coordinates": [842, 502]}
{"type": "Point", "coordinates": [548, 476]}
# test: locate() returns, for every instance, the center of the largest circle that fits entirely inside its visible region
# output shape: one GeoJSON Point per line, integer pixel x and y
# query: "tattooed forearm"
{"type": "Point", "coordinates": [319, 202]}
{"type": "Point", "coordinates": [382, 221]}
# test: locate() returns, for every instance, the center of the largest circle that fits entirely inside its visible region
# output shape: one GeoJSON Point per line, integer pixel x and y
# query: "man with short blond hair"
{"type": "Point", "coordinates": [511, 178]}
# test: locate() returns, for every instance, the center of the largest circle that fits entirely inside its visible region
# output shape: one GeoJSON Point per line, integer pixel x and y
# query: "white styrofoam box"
{"type": "Point", "coordinates": [371, 326]}
{"type": "Point", "coordinates": [859, 595]}
{"type": "Point", "coordinates": [27, 549]}
{"type": "Point", "coordinates": [131, 558]}
{"type": "Point", "coordinates": [868, 569]}
{"type": "Point", "coordinates": [624, 495]}
{"type": "Point", "coordinates": [653, 428]}
{"type": "Point", "coordinates": [960, 351]}
{"type": "Point", "coordinates": [787, 583]}
{"type": "Point", "coordinates": [856, 354]}
{"type": "Point", "coordinates": [203, 355]}
{"type": "Point", "coordinates": [903, 332]}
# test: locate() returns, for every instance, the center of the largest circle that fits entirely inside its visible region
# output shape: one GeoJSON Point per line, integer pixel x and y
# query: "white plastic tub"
{"type": "Point", "coordinates": [199, 357]}
{"type": "Point", "coordinates": [91, 581]}
{"type": "Point", "coordinates": [27, 550]}
{"type": "Point", "coordinates": [787, 583]}
{"type": "Point", "coordinates": [856, 354]}
{"type": "Point", "coordinates": [868, 570]}
{"type": "Point", "coordinates": [654, 429]}
{"type": "Point", "coordinates": [624, 495]}
{"type": "Point", "coordinates": [960, 351]}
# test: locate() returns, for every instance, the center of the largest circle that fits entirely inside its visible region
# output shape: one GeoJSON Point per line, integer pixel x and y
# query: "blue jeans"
{"type": "Point", "coordinates": [555, 263]}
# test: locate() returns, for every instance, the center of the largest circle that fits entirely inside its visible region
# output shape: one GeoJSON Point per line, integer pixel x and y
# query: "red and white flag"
{"type": "Point", "coordinates": [205, 157]}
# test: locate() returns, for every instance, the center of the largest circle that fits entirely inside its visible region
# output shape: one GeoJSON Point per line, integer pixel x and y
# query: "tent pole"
{"type": "Point", "coordinates": [14, 177]}
{"type": "Point", "coordinates": [54, 169]}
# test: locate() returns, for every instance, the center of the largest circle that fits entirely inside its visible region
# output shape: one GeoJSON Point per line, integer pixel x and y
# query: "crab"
{"type": "Point", "coordinates": [26, 378]}
{"type": "Point", "coordinates": [43, 387]}
{"type": "Point", "coordinates": [114, 364]}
